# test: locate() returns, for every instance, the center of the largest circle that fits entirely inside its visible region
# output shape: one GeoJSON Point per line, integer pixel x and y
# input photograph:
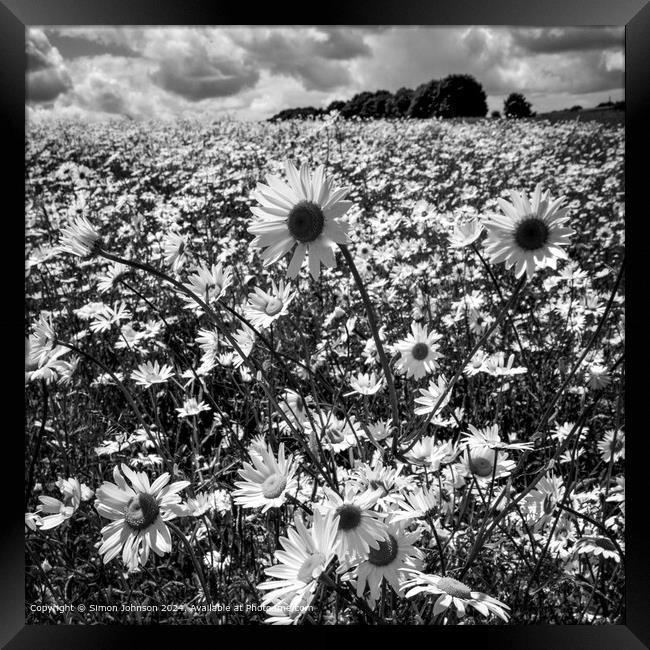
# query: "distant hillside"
{"type": "Point", "coordinates": [604, 114]}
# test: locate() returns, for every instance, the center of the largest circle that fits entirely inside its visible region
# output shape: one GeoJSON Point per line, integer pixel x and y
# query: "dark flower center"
{"type": "Point", "coordinates": [531, 233]}
{"type": "Point", "coordinates": [141, 511]}
{"type": "Point", "coordinates": [454, 587]}
{"type": "Point", "coordinates": [385, 554]}
{"type": "Point", "coordinates": [481, 466]}
{"type": "Point", "coordinates": [420, 351]}
{"type": "Point", "coordinates": [349, 516]}
{"type": "Point", "coordinates": [306, 221]}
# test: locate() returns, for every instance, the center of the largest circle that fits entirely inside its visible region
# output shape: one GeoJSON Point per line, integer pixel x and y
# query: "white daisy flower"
{"type": "Point", "coordinates": [453, 593]}
{"type": "Point", "coordinates": [529, 233]}
{"type": "Point", "coordinates": [418, 352]}
{"type": "Point", "coordinates": [306, 554]}
{"type": "Point", "coordinates": [359, 528]}
{"type": "Point", "coordinates": [138, 515]}
{"type": "Point", "coordinates": [264, 308]}
{"type": "Point", "coordinates": [266, 482]}
{"type": "Point", "coordinates": [304, 212]}
{"type": "Point", "coordinates": [389, 561]}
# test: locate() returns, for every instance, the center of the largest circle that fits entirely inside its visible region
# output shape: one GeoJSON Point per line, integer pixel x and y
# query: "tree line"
{"type": "Point", "coordinates": [457, 95]}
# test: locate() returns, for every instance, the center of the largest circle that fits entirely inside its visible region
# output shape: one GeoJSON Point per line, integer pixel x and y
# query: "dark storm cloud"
{"type": "Point", "coordinates": [341, 44]}
{"type": "Point", "coordinates": [316, 58]}
{"type": "Point", "coordinates": [567, 39]}
{"type": "Point", "coordinates": [74, 47]}
{"type": "Point", "coordinates": [47, 77]}
{"type": "Point", "coordinates": [197, 79]}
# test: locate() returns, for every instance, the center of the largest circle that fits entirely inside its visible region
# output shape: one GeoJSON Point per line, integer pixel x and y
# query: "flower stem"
{"type": "Point", "coordinates": [372, 321]}
{"type": "Point", "coordinates": [197, 566]}
{"type": "Point", "coordinates": [415, 436]}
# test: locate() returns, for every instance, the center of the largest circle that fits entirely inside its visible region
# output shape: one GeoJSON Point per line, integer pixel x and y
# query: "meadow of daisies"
{"type": "Point", "coordinates": [325, 373]}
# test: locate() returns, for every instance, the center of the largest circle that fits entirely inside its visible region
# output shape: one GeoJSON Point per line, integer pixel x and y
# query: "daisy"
{"type": "Point", "coordinates": [79, 238]}
{"type": "Point", "coordinates": [192, 407]}
{"type": "Point", "coordinates": [431, 454]}
{"type": "Point", "coordinates": [597, 376]}
{"type": "Point", "coordinates": [483, 463]}
{"type": "Point", "coordinates": [419, 504]}
{"type": "Point", "coordinates": [365, 384]}
{"type": "Point", "coordinates": [612, 445]}
{"type": "Point", "coordinates": [290, 609]}
{"type": "Point", "coordinates": [150, 373]}
{"type": "Point", "coordinates": [497, 366]}
{"type": "Point", "coordinates": [41, 343]}
{"type": "Point", "coordinates": [489, 437]}
{"type": "Point", "coordinates": [264, 308]}
{"type": "Point", "coordinates": [306, 554]}
{"type": "Point", "coordinates": [528, 234]}
{"type": "Point", "coordinates": [209, 284]}
{"type": "Point", "coordinates": [476, 364]}
{"type": "Point", "coordinates": [381, 430]}
{"type": "Point", "coordinates": [358, 527]}
{"type": "Point", "coordinates": [540, 502]}
{"type": "Point", "coordinates": [418, 352]}
{"type": "Point", "coordinates": [267, 483]}
{"type": "Point", "coordinates": [598, 547]}
{"type": "Point", "coordinates": [294, 407]}
{"type": "Point", "coordinates": [453, 593]}
{"type": "Point", "coordinates": [110, 316]}
{"type": "Point", "coordinates": [431, 396]}
{"type": "Point", "coordinates": [129, 338]}
{"type": "Point", "coordinates": [386, 481]}
{"type": "Point", "coordinates": [304, 212]}
{"type": "Point", "coordinates": [138, 514]}
{"type": "Point", "coordinates": [389, 562]}
{"type": "Point", "coordinates": [107, 281]}
{"type": "Point", "coordinates": [245, 339]}
{"type": "Point", "coordinates": [59, 511]}
{"type": "Point", "coordinates": [336, 433]}
{"type": "Point", "coordinates": [208, 341]}
{"type": "Point", "coordinates": [174, 246]}
{"type": "Point", "coordinates": [201, 504]}
{"type": "Point", "coordinates": [465, 233]}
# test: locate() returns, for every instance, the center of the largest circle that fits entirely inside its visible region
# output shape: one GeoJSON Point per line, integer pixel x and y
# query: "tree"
{"type": "Point", "coordinates": [460, 95]}
{"type": "Point", "coordinates": [423, 103]}
{"type": "Point", "coordinates": [516, 106]}
{"type": "Point", "coordinates": [336, 105]}
{"type": "Point", "coordinates": [375, 106]}
{"type": "Point", "coordinates": [354, 107]}
{"type": "Point", "coordinates": [399, 103]}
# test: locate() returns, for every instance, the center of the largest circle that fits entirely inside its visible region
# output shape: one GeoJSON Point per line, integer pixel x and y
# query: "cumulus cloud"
{"type": "Point", "coordinates": [566, 39]}
{"type": "Point", "coordinates": [47, 76]}
{"type": "Point", "coordinates": [199, 78]}
{"type": "Point", "coordinates": [317, 57]}
{"type": "Point", "coordinates": [254, 72]}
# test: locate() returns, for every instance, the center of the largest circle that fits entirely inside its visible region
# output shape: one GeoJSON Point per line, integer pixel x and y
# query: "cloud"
{"type": "Point", "coordinates": [254, 72]}
{"type": "Point", "coordinates": [342, 44]}
{"type": "Point", "coordinates": [317, 57]}
{"type": "Point", "coordinates": [200, 78]}
{"type": "Point", "coordinates": [567, 39]}
{"type": "Point", "coordinates": [47, 76]}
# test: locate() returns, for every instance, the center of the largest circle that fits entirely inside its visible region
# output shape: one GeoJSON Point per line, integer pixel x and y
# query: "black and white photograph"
{"type": "Point", "coordinates": [325, 325]}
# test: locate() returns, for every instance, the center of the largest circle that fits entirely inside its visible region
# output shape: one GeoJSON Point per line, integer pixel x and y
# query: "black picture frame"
{"type": "Point", "coordinates": [15, 15]}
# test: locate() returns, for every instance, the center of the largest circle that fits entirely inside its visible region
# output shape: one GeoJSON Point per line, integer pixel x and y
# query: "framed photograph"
{"type": "Point", "coordinates": [325, 320]}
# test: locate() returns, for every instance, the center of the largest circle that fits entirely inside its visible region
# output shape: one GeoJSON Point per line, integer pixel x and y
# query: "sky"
{"type": "Point", "coordinates": [251, 73]}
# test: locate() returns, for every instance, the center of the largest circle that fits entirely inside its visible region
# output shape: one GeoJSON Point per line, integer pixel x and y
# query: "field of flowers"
{"type": "Point", "coordinates": [401, 430]}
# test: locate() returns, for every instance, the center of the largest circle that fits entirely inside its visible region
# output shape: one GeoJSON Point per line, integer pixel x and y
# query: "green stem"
{"type": "Point", "coordinates": [374, 328]}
